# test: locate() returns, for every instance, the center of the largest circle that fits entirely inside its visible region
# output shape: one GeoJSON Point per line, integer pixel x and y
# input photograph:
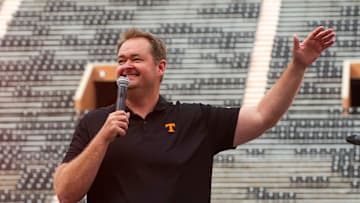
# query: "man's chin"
{"type": "Point", "coordinates": [131, 86]}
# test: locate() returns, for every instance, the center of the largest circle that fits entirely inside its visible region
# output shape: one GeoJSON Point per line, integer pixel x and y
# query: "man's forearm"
{"type": "Point", "coordinates": [72, 180]}
{"type": "Point", "coordinates": [253, 121]}
{"type": "Point", "coordinates": [279, 98]}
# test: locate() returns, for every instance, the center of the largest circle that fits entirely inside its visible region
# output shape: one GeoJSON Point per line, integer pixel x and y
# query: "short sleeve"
{"type": "Point", "coordinates": [79, 141]}
{"type": "Point", "coordinates": [221, 124]}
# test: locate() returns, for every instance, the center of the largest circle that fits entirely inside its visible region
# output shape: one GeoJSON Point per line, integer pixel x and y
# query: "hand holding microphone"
{"type": "Point", "coordinates": [117, 122]}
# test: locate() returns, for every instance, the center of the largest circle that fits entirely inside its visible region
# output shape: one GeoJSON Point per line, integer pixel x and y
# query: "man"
{"type": "Point", "coordinates": [155, 151]}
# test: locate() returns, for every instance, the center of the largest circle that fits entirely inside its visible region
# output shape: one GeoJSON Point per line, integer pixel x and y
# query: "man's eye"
{"type": "Point", "coordinates": [121, 61]}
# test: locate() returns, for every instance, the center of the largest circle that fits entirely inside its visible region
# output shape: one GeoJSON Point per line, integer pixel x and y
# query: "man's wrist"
{"type": "Point", "coordinates": [102, 139]}
{"type": "Point", "coordinates": [298, 65]}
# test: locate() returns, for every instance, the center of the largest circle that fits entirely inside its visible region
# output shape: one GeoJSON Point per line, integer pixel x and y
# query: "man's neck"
{"type": "Point", "coordinates": [141, 104]}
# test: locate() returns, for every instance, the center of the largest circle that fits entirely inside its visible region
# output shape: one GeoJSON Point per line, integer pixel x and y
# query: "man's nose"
{"type": "Point", "coordinates": [124, 67]}
{"type": "Point", "coordinates": [128, 64]}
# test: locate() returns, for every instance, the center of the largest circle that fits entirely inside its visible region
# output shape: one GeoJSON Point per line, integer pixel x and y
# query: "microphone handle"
{"type": "Point", "coordinates": [120, 103]}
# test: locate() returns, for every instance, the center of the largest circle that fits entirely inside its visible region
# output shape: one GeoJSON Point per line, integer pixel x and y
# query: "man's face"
{"type": "Point", "coordinates": [136, 62]}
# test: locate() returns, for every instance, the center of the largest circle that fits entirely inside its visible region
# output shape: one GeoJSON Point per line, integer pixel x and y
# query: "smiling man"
{"type": "Point", "coordinates": [165, 151]}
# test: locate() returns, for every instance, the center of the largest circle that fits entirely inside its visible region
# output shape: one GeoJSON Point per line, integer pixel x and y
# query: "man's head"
{"type": "Point", "coordinates": [142, 58]}
{"type": "Point", "coordinates": [158, 48]}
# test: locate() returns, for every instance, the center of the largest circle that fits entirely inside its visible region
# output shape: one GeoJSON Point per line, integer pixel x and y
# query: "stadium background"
{"type": "Point", "coordinates": [220, 52]}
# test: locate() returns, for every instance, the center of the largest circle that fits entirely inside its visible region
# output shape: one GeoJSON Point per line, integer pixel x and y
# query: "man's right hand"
{"type": "Point", "coordinates": [72, 180]}
{"type": "Point", "coordinates": [116, 124]}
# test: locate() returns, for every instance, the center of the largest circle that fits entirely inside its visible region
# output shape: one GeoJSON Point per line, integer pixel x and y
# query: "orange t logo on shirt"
{"type": "Point", "coordinates": [170, 127]}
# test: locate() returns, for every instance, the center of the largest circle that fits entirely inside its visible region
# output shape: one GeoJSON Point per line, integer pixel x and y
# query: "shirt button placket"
{"type": "Point", "coordinates": [145, 125]}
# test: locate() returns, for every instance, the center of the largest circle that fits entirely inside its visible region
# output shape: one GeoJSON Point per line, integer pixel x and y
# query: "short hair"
{"type": "Point", "coordinates": [158, 47]}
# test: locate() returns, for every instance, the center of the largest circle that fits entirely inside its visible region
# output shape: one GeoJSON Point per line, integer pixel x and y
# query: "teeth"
{"type": "Point", "coordinates": [129, 72]}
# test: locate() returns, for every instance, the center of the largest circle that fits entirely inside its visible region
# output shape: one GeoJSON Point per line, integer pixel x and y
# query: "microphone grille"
{"type": "Point", "coordinates": [122, 81]}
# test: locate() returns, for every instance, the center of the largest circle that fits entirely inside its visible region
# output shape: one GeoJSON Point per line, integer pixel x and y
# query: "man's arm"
{"type": "Point", "coordinates": [253, 121]}
{"type": "Point", "coordinates": [72, 180]}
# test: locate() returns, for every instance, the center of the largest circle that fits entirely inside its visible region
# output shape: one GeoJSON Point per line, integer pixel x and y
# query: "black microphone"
{"type": "Point", "coordinates": [353, 139]}
{"type": "Point", "coordinates": [122, 83]}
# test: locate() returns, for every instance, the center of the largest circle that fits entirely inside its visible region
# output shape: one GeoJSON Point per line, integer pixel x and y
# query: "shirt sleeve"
{"type": "Point", "coordinates": [221, 124]}
{"type": "Point", "coordinates": [79, 141]}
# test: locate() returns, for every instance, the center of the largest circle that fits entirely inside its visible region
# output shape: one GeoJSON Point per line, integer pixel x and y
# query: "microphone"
{"type": "Point", "coordinates": [122, 83]}
{"type": "Point", "coordinates": [353, 139]}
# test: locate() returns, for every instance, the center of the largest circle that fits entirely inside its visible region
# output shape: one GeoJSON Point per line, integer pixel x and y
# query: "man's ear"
{"type": "Point", "coordinates": [162, 67]}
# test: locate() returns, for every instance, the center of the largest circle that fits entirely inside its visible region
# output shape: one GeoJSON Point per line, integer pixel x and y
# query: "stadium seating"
{"type": "Point", "coordinates": [304, 158]}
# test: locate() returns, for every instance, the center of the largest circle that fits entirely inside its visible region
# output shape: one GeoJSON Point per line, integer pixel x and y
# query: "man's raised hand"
{"type": "Point", "coordinates": [309, 50]}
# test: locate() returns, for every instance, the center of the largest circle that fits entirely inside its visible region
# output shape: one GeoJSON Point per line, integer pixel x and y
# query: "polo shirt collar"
{"type": "Point", "coordinates": [161, 105]}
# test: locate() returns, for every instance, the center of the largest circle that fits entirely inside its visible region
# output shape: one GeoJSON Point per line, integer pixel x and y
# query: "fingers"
{"type": "Point", "coordinates": [120, 116]}
{"type": "Point", "coordinates": [316, 32]}
{"type": "Point", "coordinates": [321, 34]}
{"type": "Point", "coordinates": [121, 130]}
{"type": "Point", "coordinates": [120, 113]}
{"type": "Point", "coordinates": [119, 124]}
{"type": "Point", "coordinates": [328, 44]}
{"type": "Point", "coordinates": [296, 42]}
{"type": "Point", "coordinates": [328, 37]}
{"type": "Point", "coordinates": [116, 129]}
{"type": "Point", "coordinates": [116, 124]}
{"type": "Point", "coordinates": [120, 121]}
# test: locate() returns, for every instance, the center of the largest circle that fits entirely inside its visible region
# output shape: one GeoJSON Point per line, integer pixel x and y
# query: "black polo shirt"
{"type": "Point", "coordinates": [166, 157]}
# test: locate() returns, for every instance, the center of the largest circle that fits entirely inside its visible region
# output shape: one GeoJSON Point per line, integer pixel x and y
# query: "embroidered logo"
{"type": "Point", "coordinates": [170, 127]}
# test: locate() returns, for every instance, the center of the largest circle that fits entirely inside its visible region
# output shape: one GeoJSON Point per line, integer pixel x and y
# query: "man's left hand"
{"type": "Point", "coordinates": [310, 49]}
